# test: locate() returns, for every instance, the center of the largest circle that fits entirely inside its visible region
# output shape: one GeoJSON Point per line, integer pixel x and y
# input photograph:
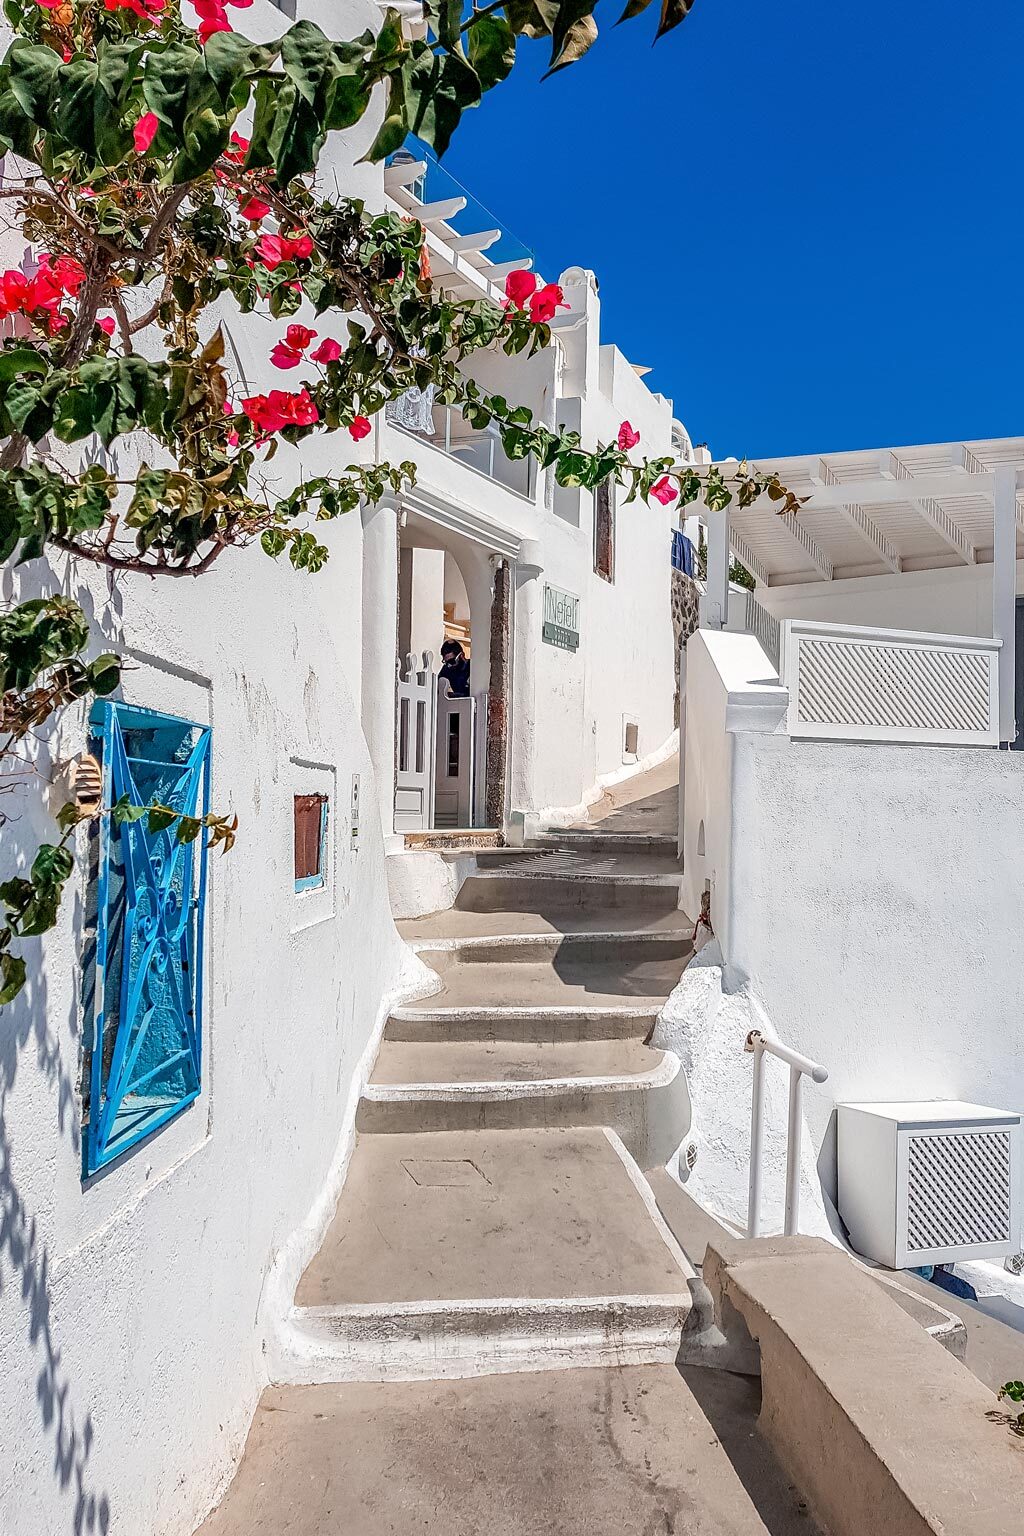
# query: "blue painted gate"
{"type": "Point", "coordinates": [146, 1056]}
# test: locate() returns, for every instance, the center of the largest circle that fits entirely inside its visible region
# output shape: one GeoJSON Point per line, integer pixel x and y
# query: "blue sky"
{"type": "Point", "coordinates": [806, 217]}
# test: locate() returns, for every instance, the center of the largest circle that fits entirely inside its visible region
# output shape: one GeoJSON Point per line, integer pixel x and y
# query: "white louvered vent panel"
{"type": "Point", "coordinates": [958, 1189]}
{"type": "Point", "coordinates": [844, 683]}
{"type": "Point", "coordinates": [848, 682]}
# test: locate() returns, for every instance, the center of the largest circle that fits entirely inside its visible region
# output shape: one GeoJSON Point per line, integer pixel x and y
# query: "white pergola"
{"type": "Point", "coordinates": [885, 512]}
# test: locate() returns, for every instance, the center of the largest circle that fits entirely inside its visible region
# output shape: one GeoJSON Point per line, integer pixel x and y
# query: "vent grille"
{"type": "Point", "coordinates": [892, 686]}
{"type": "Point", "coordinates": [958, 1190]}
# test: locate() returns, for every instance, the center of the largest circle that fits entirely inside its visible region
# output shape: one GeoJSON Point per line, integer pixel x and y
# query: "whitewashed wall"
{"type": "Point", "coordinates": [867, 896]}
{"type": "Point", "coordinates": [130, 1327]}
{"type": "Point", "coordinates": [625, 664]}
{"type": "Point", "coordinates": [953, 601]}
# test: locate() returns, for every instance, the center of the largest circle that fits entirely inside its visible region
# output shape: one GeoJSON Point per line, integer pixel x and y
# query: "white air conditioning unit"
{"type": "Point", "coordinates": [929, 1183]}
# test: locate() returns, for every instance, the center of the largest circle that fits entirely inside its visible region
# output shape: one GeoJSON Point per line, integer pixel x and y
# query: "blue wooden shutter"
{"type": "Point", "coordinates": [146, 1047]}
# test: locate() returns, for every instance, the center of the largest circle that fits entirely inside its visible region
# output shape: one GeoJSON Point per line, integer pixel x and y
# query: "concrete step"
{"type": "Point", "coordinates": [580, 949]}
{"type": "Point", "coordinates": [573, 978]}
{"type": "Point", "coordinates": [600, 839]}
{"type": "Point", "coordinates": [605, 1452]}
{"type": "Point", "coordinates": [626, 862]}
{"type": "Point", "coordinates": [455, 924]}
{"type": "Point", "coordinates": [649, 1109]}
{"type": "Point", "coordinates": [543, 1024]}
{"type": "Point", "coordinates": [564, 892]}
{"type": "Point", "coordinates": [508, 1061]}
{"type": "Point", "coordinates": [466, 1253]}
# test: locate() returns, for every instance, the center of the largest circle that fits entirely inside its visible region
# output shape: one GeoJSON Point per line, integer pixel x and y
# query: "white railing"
{"type": "Point", "coordinates": [799, 1068]}
{"type": "Point", "coordinates": [859, 684]}
{"type": "Point", "coordinates": [766, 630]}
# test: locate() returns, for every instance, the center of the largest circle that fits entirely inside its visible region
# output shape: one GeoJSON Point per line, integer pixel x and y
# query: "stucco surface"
{"type": "Point", "coordinates": [451, 1215]}
{"type": "Point", "coordinates": [635, 1452]}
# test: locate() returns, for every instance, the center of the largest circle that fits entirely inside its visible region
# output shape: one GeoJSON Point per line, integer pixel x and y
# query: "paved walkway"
{"type": "Point", "coordinates": [496, 1224]}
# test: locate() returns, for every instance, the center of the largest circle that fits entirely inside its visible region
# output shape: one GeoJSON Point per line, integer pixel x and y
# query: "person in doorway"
{"type": "Point", "coordinates": [455, 669]}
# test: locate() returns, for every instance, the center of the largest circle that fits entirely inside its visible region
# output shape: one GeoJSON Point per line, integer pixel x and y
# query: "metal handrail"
{"type": "Point", "coordinates": [799, 1068]}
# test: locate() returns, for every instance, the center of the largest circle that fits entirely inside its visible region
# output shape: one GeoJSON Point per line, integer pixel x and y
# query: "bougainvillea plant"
{"type": "Point", "coordinates": [160, 173]}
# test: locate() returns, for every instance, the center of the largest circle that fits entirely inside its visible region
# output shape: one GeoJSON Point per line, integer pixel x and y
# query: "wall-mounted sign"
{"type": "Point", "coordinates": [561, 619]}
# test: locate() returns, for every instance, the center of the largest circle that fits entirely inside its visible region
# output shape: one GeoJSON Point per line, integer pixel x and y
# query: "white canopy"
{"type": "Point", "coordinates": [879, 511]}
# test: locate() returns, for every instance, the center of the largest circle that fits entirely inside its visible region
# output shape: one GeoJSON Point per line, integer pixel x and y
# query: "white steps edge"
{"type": "Point", "coordinates": [527, 1012]}
{"type": "Point", "coordinates": [644, 936]}
{"type": "Point", "coordinates": [650, 1111]}
{"type": "Point", "coordinates": [523, 1088]}
{"type": "Point", "coordinates": [660, 880]}
{"type": "Point", "coordinates": [443, 1340]}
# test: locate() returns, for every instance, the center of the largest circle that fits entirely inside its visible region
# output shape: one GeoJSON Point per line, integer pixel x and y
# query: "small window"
{"type": "Point", "coordinates": [142, 1064]}
{"type": "Point", "coordinates": [604, 530]}
{"type": "Point", "coordinates": [310, 842]}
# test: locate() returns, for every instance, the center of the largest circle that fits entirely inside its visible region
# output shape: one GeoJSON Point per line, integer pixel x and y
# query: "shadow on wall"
{"type": "Point", "coordinates": [24, 1259]}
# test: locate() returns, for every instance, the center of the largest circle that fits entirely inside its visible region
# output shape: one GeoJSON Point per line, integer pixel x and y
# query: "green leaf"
{"type": "Point", "coordinates": [12, 976]}
{"type": "Point", "coordinates": [439, 88]}
{"type": "Point", "coordinates": [161, 817]}
{"type": "Point", "coordinates": [125, 810]}
{"type": "Point", "coordinates": [16, 360]}
{"type": "Point", "coordinates": [189, 829]}
{"type": "Point", "coordinates": [492, 49]}
{"type": "Point", "coordinates": [105, 674]}
{"type": "Point", "coordinates": [205, 139]}
{"type": "Point", "coordinates": [52, 864]}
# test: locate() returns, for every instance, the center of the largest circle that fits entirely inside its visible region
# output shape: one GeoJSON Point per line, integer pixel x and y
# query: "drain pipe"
{"type": "Point", "coordinates": [799, 1068]}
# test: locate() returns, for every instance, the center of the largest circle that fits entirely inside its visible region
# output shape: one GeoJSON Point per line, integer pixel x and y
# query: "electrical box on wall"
{"type": "Point", "coordinates": [353, 836]}
{"type": "Point", "coordinates": [630, 739]}
{"type": "Point", "coordinates": [930, 1182]}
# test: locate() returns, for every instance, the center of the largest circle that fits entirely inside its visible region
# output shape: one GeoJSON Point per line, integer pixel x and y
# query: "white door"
{"type": "Point", "coordinates": [414, 776]}
{"type": "Point", "coordinates": [453, 772]}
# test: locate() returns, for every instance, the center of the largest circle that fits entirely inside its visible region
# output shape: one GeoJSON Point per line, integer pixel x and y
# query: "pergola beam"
{"type": "Point", "coordinates": [745, 555]}
{"type": "Point", "coordinates": [815, 554]}
{"type": "Point", "coordinates": [931, 510]}
{"type": "Point", "coordinates": [859, 519]}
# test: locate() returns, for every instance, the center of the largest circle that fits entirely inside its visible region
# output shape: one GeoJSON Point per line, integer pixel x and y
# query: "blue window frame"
{"type": "Point", "coordinates": [144, 1060]}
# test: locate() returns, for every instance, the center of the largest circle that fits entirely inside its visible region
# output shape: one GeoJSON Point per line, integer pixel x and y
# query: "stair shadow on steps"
{"type": "Point", "coordinates": [731, 1404]}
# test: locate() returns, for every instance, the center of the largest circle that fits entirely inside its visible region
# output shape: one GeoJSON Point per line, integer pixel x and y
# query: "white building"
{"type": "Point", "coordinates": [859, 830]}
{"type": "Point", "coordinates": [133, 1297]}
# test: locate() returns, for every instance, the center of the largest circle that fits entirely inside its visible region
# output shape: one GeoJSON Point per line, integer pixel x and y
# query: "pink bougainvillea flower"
{"type": "Point", "coordinates": [146, 9]}
{"type": "Point", "coordinates": [273, 249]}
{"type": "Point", "coordinates": [289, 352]}
{"type": "Point", "coordinates": [360, 428]}
{"type": "Point", "coordinates": [254, 209]}
{"type": "Point", "coordinates": [664, 491]}
{"type": "Point", "coordinates": [50, 5]}
{"type": "Point", "coordinates": [14, 291]}
{"type": "Point", "coordinates": [284, 356]}
{"type": "Point", "coordinates": [327, 352]}
{"type": "Point", "coordinates": [299, 337]}
{"type": "Point", "coordinates": [544, 302]}
{"type": "Point", "coordinates": [106, 324]}
{"type": "Point", "coordinates": [144, 131]}
{"type": "Point", "coordinates": [270, 250]}
{"type": "Point", "coordinates": [229, 410]}
{"type": "Point", "coordinates": [238, 148]}
{"type": "Point", "coordinates": [69, 273]}
{"type": "Point", "coordinates": [519, 286]}
{"type": "Point", "coordinates": [269, 413]}
{"type": "Point", "coordinates": [628, 438]}
{"type": "Point", "coordinates": [206, 29]}
{"type": "Point", "coordinates": [212, 18]}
